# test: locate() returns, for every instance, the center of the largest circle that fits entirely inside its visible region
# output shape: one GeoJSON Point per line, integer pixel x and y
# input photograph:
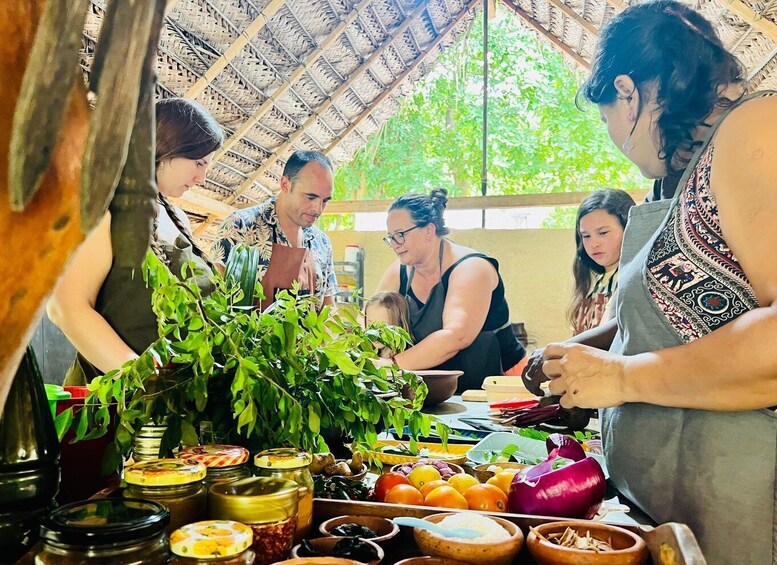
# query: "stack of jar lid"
{"type": "Point", "coordinates": [147, 442]}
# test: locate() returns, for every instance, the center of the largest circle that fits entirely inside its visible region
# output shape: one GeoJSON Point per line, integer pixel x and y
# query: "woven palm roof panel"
{"type": "Point", "coordinates": [326, 74]}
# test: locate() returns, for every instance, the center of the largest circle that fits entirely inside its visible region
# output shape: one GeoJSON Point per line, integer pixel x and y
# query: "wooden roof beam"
{"type": "Point", "coordinates": [203, 205]}
{"type": "Point", "coordinates": [551, 199]}
{"type": "Point", "coordinates": [756, 19]}
{"type": "Point", "coordinates": [236, 47]}
{"type": "Point", "coordinates": [312, 57]}
{"type": "Point", "coordinates": [328, 103]}
{"type": "Point", "coordinates": [575, 17]}
{"type": "Point", "coordinates": [374, 104]}
{"type": "Point", "coordinates": [560, 45]}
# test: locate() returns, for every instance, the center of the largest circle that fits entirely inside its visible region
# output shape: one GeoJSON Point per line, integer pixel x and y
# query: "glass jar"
{"type": "Point", "coordinates": [223, 462]}
{"type": "Point", "coordinates": [176, 483]}
{"type": "Point", "coordinates": [293, 465]}
{"type": "Point", "coordinates": [148, 443]}
{"type": "Point", "coordinates": [213, 541]}
{"type": "Point", "coordinates": [267, 505]}
{"type": "Point", "coordinates": [120, 531]}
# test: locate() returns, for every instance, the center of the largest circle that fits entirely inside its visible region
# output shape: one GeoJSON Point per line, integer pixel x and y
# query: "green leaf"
{"type": "Point", "coordinates": [314, 421]}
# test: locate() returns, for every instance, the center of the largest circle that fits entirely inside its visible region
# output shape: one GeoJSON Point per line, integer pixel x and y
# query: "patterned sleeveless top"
{"type": "Point", "coordinates": [693, 276]}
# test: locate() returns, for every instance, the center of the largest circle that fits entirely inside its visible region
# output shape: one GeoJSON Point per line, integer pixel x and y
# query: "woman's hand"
{"type": "Point", "coordinates": [532, 374]}
{"type": "Point", "coordinates": [586, 377]}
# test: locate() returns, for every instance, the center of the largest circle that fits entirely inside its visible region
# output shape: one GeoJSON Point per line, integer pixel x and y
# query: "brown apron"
{"type": "Point", "coordinates": [288, 264]}
{"type": "Point", "coordinates": [592, 309]}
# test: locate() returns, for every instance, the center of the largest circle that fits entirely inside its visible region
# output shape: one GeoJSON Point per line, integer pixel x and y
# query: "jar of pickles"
{"type": "Point", "coordinates": [176, 483]}
{"type": "Point", "coordinates": [222, 542]}
{"type": "Point", "coordinates": [267, 505]}
{"type": "Point", "coordinates": [294, 465]}
{"type": "Point", "coordinates": [223, 462]}
{"type": "Point", "coordinates": [120, 531]}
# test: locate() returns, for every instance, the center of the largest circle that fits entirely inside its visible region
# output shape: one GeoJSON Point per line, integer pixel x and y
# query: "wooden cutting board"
{"type": "Point", "coordinates": [474, 395]}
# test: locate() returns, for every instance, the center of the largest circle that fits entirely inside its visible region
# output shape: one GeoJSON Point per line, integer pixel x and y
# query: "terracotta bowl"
{"type": "Point", "coordinates": [482, 473]}
{"type": "Point", "coordinates": [455, 468]}
{"type": "Point", "coordinates": [501, 553]}
{"type": "Point", "coordinates": [441, 384]}
{"type": "Point", "coordinates": [426, 560]}
{"type": "Point", "coordinates": [630, 549]}
{"type": "Point", "coordinates": [325, 545]}
{"type": "Point", "coordinates": [386, 529]}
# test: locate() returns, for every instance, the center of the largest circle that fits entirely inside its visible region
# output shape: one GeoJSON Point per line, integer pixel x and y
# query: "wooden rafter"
{"type": "Point", "coordinates": [312, 57]}
{"type": "Point", "coordinates": [328, 103]}
{"type": "Point", "coordinates": [756, 19]}
{"type": "Point", "coordinates": [478, 202]}
{"type": "Point", "coordinates": [575, 17]}
{"type": "Point", "coordinates": [760, 66]}
{"type": "Point", "coordinates": [374, 104]}
{"type": "Point", "coordinates": [236, 47]}
{"type": "Point", "coordinates": [204, 205]}
{"type": "Point", "coordinates": [563, 47]}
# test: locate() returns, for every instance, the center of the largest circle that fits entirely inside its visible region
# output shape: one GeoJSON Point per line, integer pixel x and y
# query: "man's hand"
{"type": "Point", "coordinates": [586, 377]}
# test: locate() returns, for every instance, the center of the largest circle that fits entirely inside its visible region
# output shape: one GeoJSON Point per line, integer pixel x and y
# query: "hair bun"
{"type": "Point", "coordinates": [439, 197]}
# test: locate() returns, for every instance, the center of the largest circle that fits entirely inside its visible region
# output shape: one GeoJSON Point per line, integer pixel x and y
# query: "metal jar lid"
{"type": "Point", "coordinates": [283, 458]}
{"type": "Point", "coordinates": [165, 472]}
{"type": "Point", "coordinates": [215, 455]}
{"type": "Point", "coordinates": [210, 539]}
{"type": "Point", "coordinates": [255, 500]}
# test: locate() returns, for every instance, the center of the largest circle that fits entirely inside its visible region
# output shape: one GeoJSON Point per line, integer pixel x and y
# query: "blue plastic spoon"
{"type": "Point", "coordinates": [464, 533]}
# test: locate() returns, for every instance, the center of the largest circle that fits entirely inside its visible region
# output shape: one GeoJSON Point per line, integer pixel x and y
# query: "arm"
{"type": "Point", "coordinates": [331, 278]}
{"type": "Point", "coordinates": [462, 317]}
{"type": "Point", "coordinates": [734, 367]}
{"type": "Point", "coordinates": [389, 282]}
{"type": "Point", "coordinates": [71, 306]}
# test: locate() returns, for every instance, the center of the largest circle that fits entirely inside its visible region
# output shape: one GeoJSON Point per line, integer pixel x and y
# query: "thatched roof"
{"type": "Point", "coordinates": [326, 74]}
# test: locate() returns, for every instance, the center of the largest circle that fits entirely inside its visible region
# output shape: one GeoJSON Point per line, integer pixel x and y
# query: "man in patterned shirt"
{"type": "Point", "coordinates": [291, 248]}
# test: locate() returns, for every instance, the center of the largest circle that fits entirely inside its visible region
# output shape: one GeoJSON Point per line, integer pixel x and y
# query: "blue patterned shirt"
{"type": "Point", "coordinates": [258, 227]}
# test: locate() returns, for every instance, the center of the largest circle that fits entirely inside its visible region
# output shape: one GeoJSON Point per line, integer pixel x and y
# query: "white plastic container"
{"type": "Point", "coordinates": [506, 388]}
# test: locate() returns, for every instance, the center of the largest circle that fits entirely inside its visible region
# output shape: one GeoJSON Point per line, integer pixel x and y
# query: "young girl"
{"type": "Point", "coordinates": [390, 308]}
{"type": "Point", "coordinates": [105, 310]}
{"type": "Point", "coordinates": [598, 234]}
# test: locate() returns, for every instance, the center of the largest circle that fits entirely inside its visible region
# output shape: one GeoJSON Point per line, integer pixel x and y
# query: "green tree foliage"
{"type": "Point", "coordinates": [539, 141]}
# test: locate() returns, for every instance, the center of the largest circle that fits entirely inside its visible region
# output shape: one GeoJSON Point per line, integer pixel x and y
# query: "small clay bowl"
{"type": "Point", "coordinates": [318, 561]}
{"type": "Point", "coordinates": [355, 477]}
{"type": "Point", "coordinates": [386, 529]}
{"type": "Point", "coordinates": [453, 467]}
{"type": "Point", "coordinates": [482, 473]}
{"type": "Point", "coordinates": [427, 560]}
{"type": "Point", "coordinates": [325, 545]}
{"type": "Point", "coordinates": [501, 553]}
{"type": "Point", "coordinates": [630, 549]}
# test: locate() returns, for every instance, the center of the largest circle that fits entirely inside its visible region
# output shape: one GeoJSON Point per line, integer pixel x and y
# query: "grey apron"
{"type": "Point", "coordinates": [714, 471]}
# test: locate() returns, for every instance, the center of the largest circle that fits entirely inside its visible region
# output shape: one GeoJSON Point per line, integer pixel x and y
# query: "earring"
{"type": "Point", "coordinates": [628, 145]}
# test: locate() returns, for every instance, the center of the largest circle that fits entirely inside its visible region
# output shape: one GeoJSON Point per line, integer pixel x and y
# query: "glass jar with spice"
{"type": "Point", "coordinates": [176, 483]}
{"type": "Point", "coordinates": [120, 531]}
{"type": "Point", "coordinates": [223, 462]}
{"type": "Point", "coordinates": [294, 465]}
{"type": "Point", "coordinates": [222, 542]}
{"type": "Point", "coordinates": [267, 505]}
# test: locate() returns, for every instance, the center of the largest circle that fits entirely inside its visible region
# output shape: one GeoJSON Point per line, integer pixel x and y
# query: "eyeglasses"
{"type": "Point", "coordinates": [398, 237]}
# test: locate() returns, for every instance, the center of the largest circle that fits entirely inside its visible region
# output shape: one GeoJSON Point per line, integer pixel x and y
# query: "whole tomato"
{"type": "Point", "coordinates": [386, 482]}
{"type": "Point", "coordinates": [404, 494]}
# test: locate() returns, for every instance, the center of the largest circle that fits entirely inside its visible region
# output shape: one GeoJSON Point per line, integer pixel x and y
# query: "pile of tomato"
{"type": "Point", "coordinates": [424, 486]}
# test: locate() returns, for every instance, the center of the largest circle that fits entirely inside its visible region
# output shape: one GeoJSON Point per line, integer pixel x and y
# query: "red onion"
{"type": "Point", "coordinates": [567, 446]}
{"type": "Point", "coordinates": [573, 491]}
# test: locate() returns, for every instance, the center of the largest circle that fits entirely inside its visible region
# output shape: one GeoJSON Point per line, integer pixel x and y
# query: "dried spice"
{"type": "Point", "coordinates": [272, 542]}
{"type": "Point", "coordinates": [571, 538]}
{"type": "Point", "coordinates": [349, 529]}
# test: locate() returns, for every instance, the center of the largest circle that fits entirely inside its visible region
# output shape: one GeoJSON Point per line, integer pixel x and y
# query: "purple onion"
{"type": "Point", "coordinates": [573, 491]}
{"type": "Point", "coordinates": [567, 447]}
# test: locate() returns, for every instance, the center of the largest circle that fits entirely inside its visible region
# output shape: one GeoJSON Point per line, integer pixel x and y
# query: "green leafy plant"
{"type": "Point", "coordinates": [263, 379]}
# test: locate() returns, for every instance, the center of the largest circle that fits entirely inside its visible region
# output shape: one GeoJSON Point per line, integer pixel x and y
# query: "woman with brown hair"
{"type": "Point", "coordinates": [105, 310]}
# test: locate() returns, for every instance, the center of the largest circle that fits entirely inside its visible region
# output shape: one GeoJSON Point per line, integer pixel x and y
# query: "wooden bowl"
{"type": "Point", "coordinates": [355, 477]}
{"type": "Point", "coordinates": [441, 384]}
{"type": "Point", "coordinates": [385, 528]}
{"type": "Point", "coordinates": [471, 551]}
{"type": "Point", "coordinates": [427, 560]}
{"type": "Point", "coordinates": [453, 467]}
{"type": "Point", "coordinates": [325, 545]}
{"type": "Point", "coordinates": [482, 473]}
{"type": "Point", "coordinates": [630, 549]}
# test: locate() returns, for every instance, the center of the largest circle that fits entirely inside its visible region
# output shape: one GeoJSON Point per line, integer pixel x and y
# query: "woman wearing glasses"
{"type": "Point", "coordinates": [458, 312]}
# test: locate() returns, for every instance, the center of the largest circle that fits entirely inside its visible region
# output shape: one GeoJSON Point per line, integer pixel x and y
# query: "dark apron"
{"type": "Point", "coordinates": [482, 358]}
{"type": "Point", "coordinates": [287, 266]}
{"type": "Point", "coordinates": [714, 471]}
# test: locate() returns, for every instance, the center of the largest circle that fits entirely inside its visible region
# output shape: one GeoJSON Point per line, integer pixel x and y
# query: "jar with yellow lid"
{"type": "Point", "coordinates": [176, 483]}
{"type": "Point", "coordinates": [294, 465]}
{"type": "Point", "coordinates": [223, 462]}
{"type": "Point", "coordinates": [267, 505]}
{"type": "Point", "coordinates": [222, 542]}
